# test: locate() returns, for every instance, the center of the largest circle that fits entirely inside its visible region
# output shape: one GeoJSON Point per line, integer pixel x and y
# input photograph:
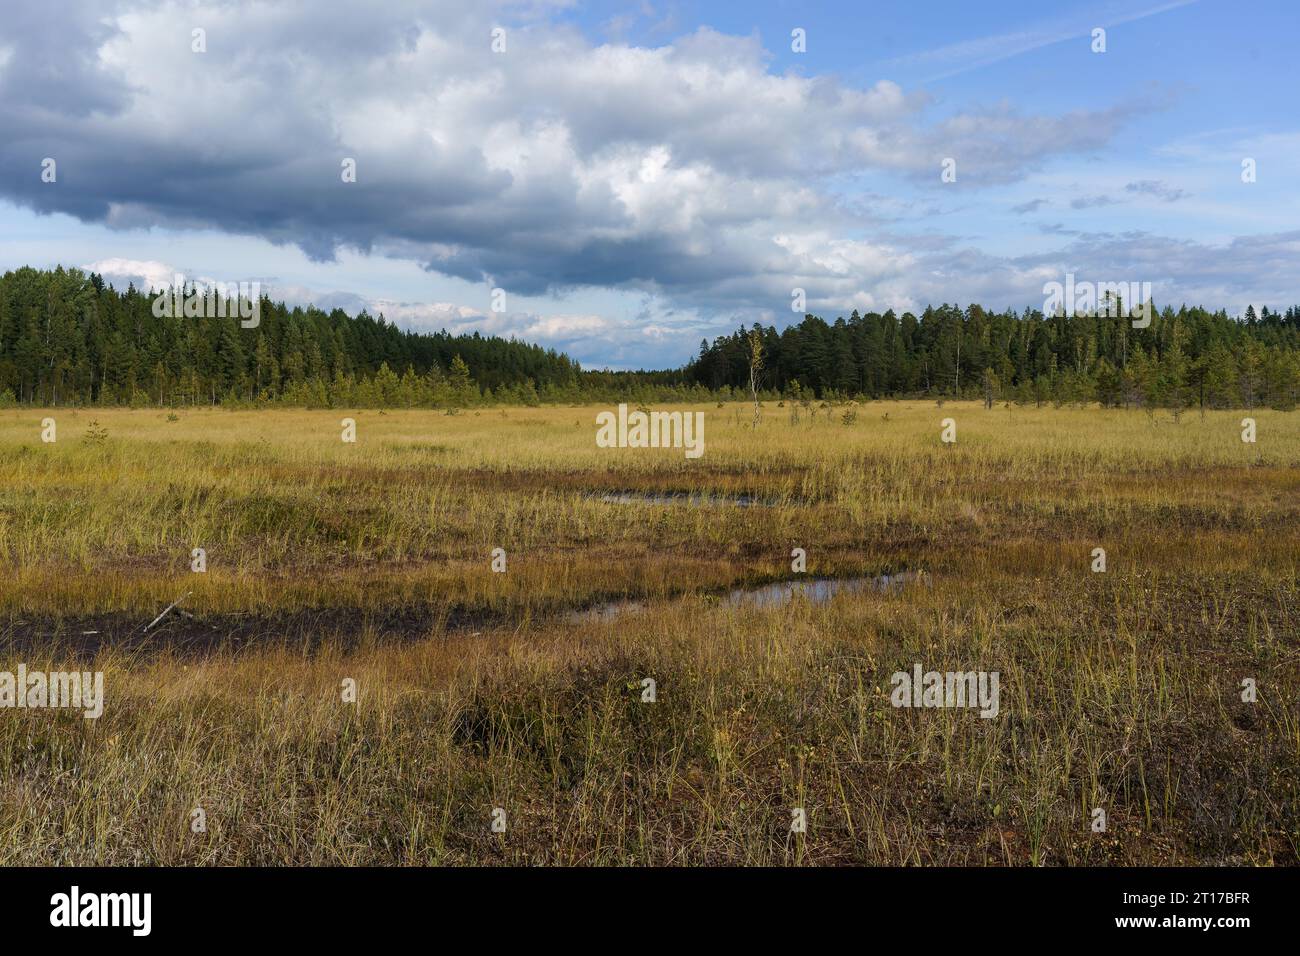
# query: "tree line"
{"type": "Point", "coordinates": [1185, 357]}
{"type": "Point", "coordinates": [69, 338]}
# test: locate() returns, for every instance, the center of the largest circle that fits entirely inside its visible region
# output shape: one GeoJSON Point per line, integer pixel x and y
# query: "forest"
{"type": "Point", "coordinates": [69, 338]}
{"type": "Point", "coordinates": [1186, 357]}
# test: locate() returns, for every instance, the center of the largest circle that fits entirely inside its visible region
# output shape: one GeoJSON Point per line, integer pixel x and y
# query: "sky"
{"type": "Point", "coordinates": [636, 177]}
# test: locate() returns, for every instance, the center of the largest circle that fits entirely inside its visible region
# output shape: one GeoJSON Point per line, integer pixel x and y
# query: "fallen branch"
{"type": "Point", "coordinates": [165, 612]}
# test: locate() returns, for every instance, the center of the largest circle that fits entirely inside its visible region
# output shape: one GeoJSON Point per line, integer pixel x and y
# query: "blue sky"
{"type": "Point", "coordinates": [638, 176]}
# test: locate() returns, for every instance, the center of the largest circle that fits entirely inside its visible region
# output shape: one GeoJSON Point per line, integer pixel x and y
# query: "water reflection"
{"type": "Point", "coordinates": [814, 590]}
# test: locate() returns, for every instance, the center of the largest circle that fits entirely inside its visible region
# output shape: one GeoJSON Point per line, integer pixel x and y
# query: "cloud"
{"type": "Point", "coordinates": [688, 172]}
{"type": "Point", "coordinates": [1158, 189]}
{"type": "Point", "coordinates": [1057, 229]}
{"type": "Point", "coordinates": [1256, 269]}
{"type": "Point", "coordinates": [147, 276]}
{"type": "Point", "coordinates": [1032, 206]}
{"type": "Point", "coordinates": [1092, 202]}
{"type": "Point", "coordinates": [955, 58]}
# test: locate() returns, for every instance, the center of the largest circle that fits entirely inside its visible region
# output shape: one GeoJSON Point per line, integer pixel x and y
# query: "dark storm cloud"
{"type": "Point", "coordinates": [688, 170]}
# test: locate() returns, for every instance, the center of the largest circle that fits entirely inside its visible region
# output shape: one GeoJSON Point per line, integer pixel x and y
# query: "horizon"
{"type": "Point", "coordinates": [163, 305]}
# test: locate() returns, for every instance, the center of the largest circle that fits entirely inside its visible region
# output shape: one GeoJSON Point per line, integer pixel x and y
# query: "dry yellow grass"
{"type": "Point", "coordinates": [477, 690]}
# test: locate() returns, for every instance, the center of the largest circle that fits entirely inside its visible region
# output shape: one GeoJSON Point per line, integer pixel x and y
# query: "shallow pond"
{"type": "Point", "coordinates": [775, 594]}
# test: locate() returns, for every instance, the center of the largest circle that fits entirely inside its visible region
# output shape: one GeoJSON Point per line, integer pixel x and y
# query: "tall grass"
{"type": "Point", "coordinates": [1120, 691]}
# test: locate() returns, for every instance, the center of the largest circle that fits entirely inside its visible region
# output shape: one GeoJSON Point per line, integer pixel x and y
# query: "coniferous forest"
{"type": "Point", "coordinates": [68, 338]}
